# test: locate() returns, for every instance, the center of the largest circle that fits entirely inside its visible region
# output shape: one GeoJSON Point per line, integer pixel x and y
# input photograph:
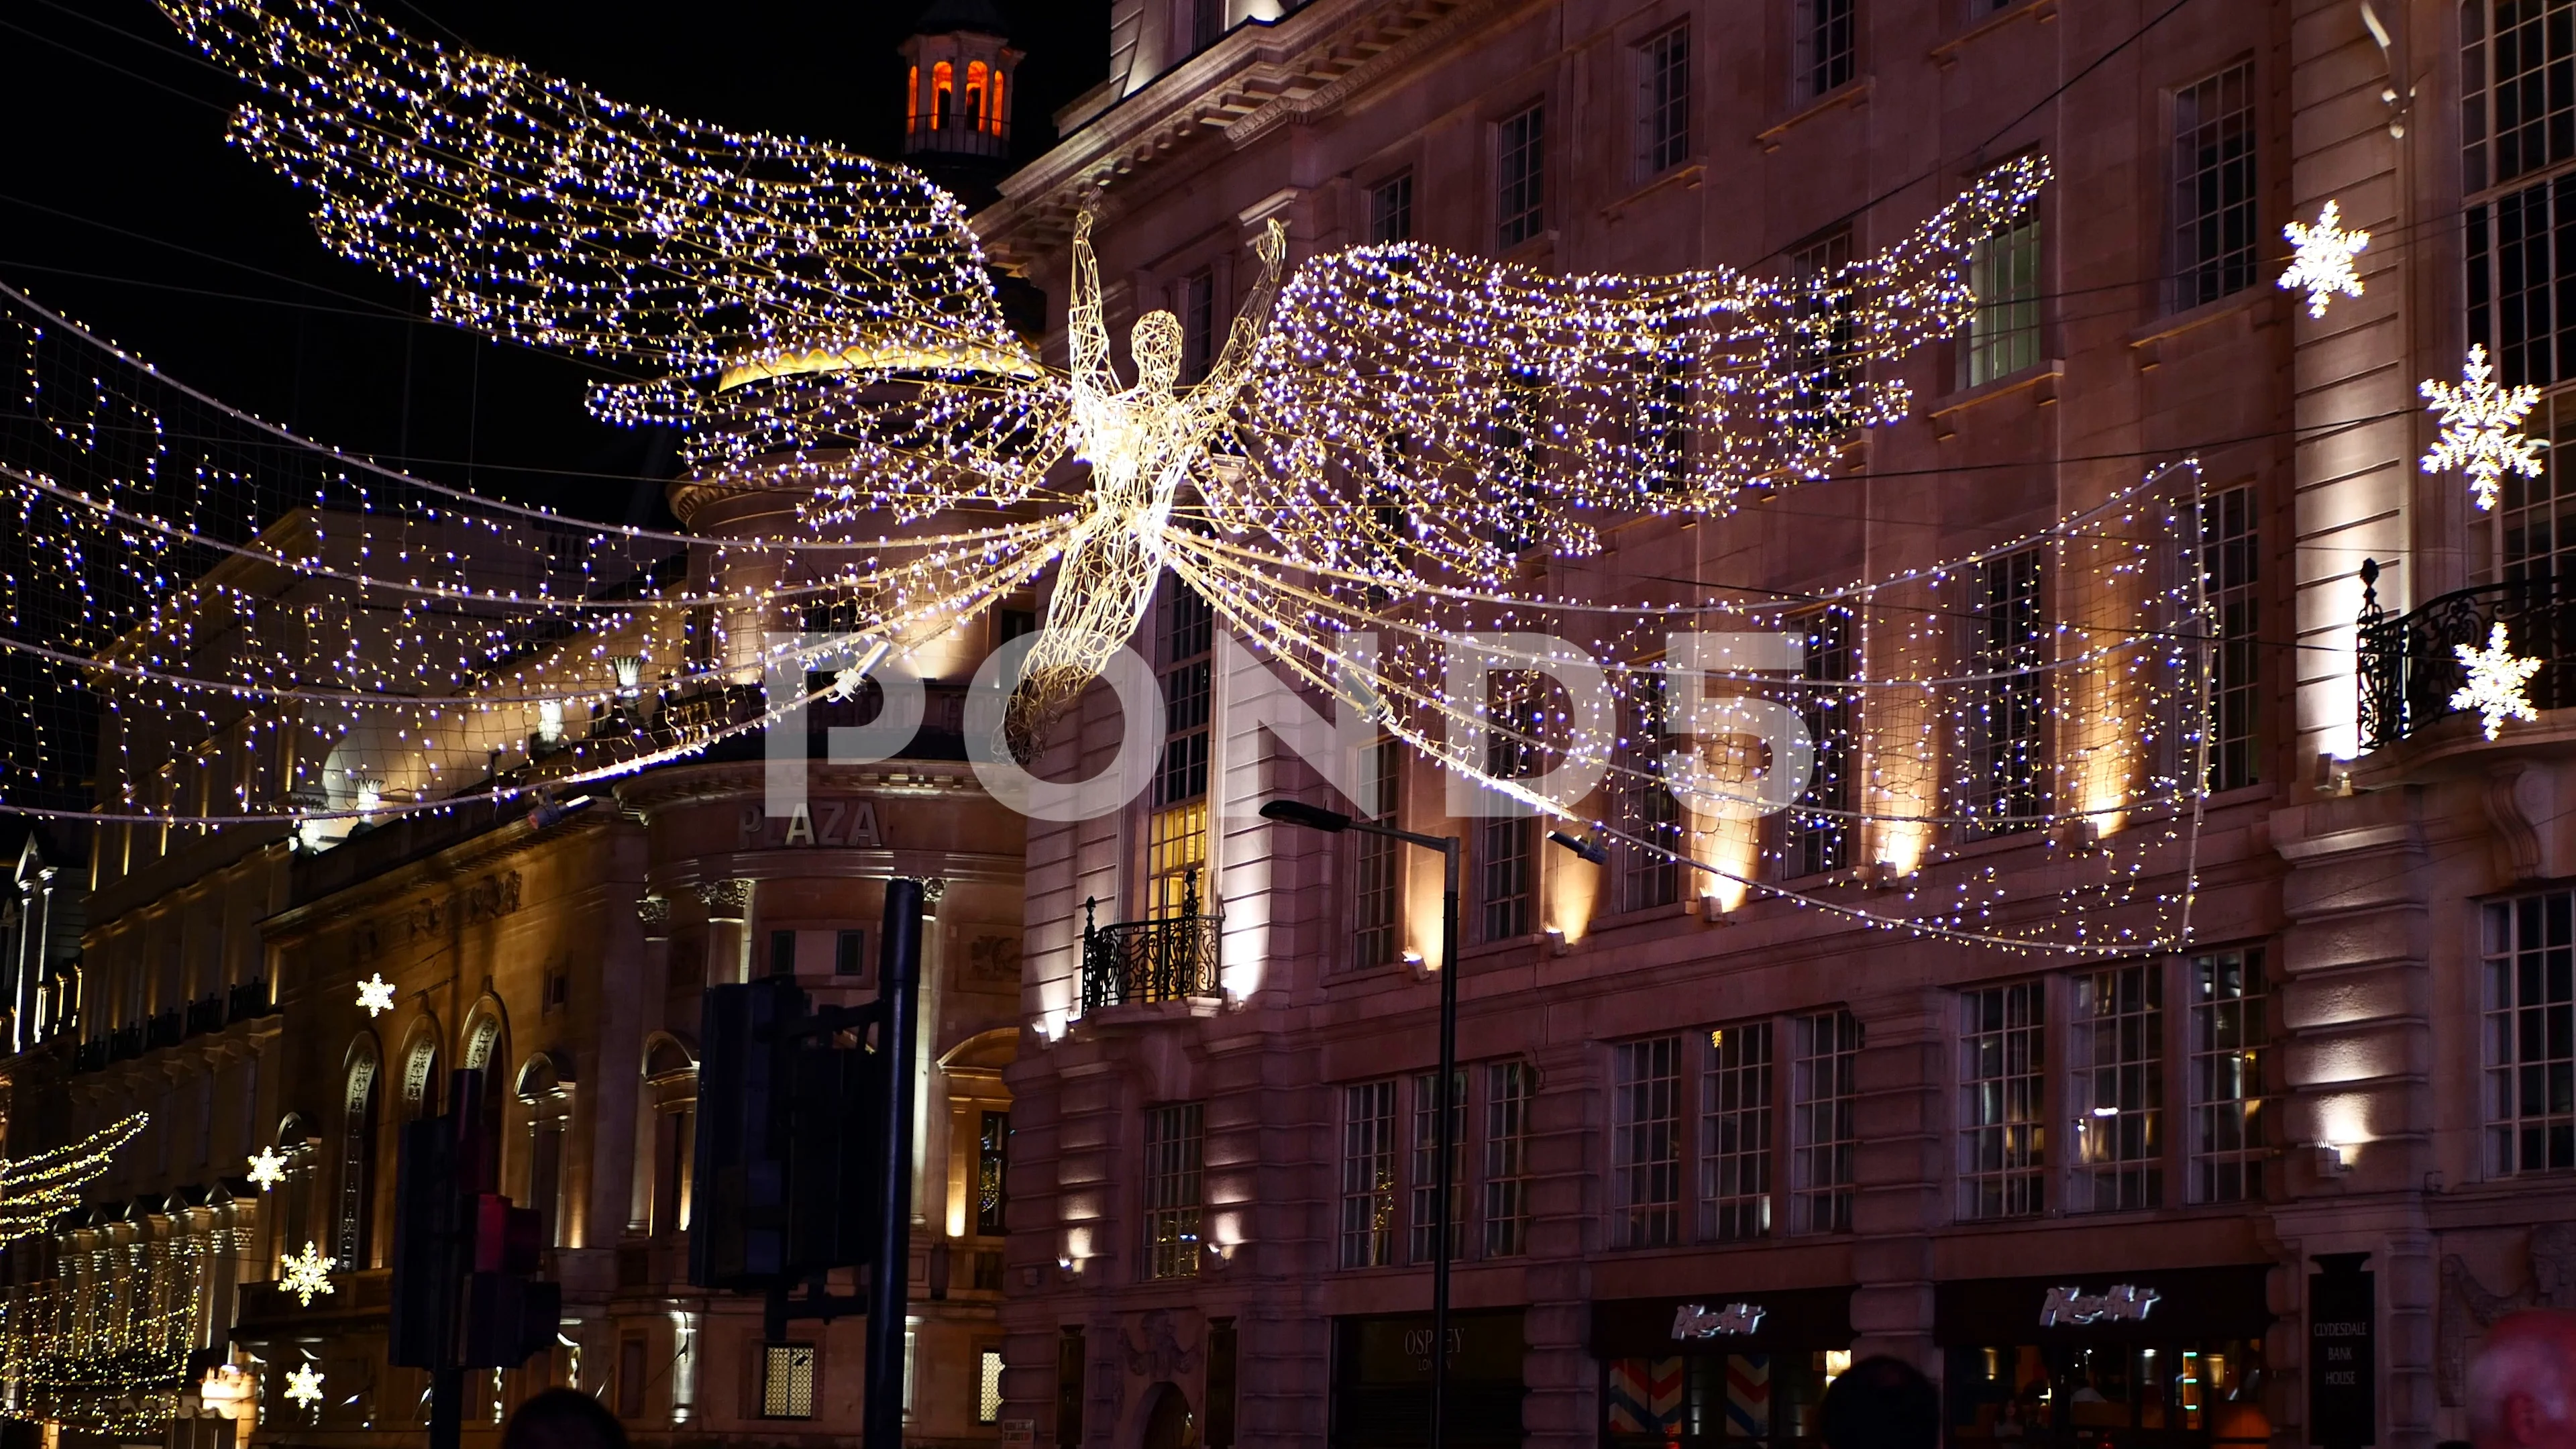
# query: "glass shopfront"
{"type": "Point", "coordinates": [1382, 1380]}
{"type": "Point", "coordinates": [1740, 1370]}
{"type": "Point", "coordinates": [2170, 1360]}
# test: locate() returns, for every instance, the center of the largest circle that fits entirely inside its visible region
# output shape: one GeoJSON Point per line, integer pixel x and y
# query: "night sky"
{"type": "Point", "coordinates": [122, 206]}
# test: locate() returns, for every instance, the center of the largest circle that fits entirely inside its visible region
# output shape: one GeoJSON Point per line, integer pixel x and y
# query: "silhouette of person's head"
{"type": "Point", "coordinates": [1881, 1403]}
{"type": "Point", "coordinates": [563, 1419]}
{"type": "Point", "coordinates": [2522, 1388]}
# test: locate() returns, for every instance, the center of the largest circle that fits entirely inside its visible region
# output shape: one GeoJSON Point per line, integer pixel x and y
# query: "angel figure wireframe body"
{"type": "Point", "coordinates": [1142, 442]}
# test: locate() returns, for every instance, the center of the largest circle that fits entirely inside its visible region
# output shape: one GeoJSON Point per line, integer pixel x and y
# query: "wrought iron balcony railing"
{"type": "Point", "coordinates": [90, 1056]}
{"type": "Point", "coordinates": [248, 999]}
{"type": "Point", "coordinates": [125, 1043]}
{"type": "Point", "coordinates": [2409, 664]}
{"type": "Point", "coordinates": [205, 1016]}
{"type": "Point", "coordinates": [1169, 959]}
{"type": "Point", "coordinates": [167, 1029]}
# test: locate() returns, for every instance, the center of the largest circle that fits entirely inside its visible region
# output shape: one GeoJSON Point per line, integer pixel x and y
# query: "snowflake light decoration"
{"type": "Point", "coordinates": [307, 1273]}
{"type": "Point", "coordinates": [2322, 259]}
{"type": "Point", "coordinates": [2478, 428]}
{"type": "Point", "coordinates": [2496, 680]}
{"type": "Point", "coordinates": [268, 1169]}
{"type": "Point", "coordinates": [304, 1385]}
{"type": "Point", "coordinates": [376, 994]}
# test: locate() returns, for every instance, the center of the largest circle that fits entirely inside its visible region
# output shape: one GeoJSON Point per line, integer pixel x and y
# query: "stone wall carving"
{"type": "Point", "coordinates": [2468, 1304]}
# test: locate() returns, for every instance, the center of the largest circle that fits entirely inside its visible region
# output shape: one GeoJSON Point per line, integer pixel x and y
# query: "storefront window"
{"type": "Point", "coordinates": [1731, 1398]}
{"type": "Point", "coordinates": [2070, 1396]}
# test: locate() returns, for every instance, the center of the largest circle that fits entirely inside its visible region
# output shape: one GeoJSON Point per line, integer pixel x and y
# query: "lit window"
{"type": "Point", "coordinates": [2003, 326]}
{"type": "Point", "coordinates": [787, 1381]}
{"type": "Point", "coordinates": [1823, 1087]}
{"type": "Point", "coordinates": [988, 1386]}
{"type": "Point", "coordinates": [1368, 1174]}
{"type": "Point", "coordinates": [1817, 834]}
{"type": "Point", "coordinates": [1649, 817]}
{"type": "Point", "coordinates": [2214, 245]}
{"type": "Point", "coordinates": [1646, 1142]}
{"type": "Point", "coordinates": [1735, 1135]}
{"type": "Point", "coordinates": [1173, 1165]}
{"type": "Point", "coordinates": [992, 1175]}
{"type": "Point", "coordinates": [2117, 1054]}
{"type": "Point", "coordinates": [1176, 837]}
{"type": "Point", "coordinates": [1509, 1086]}
{"type": "Point", "coordinates": [2531, 1035]}
{"type": "Point", "coordinates": [2229, 570]}
{"type": "Point", "coordinates": [2008, 732]}
{"type": "Point", "coordinates": [2228, 1137]}
{"type": "Point", "coordinates": [2003, 1063]}
{"type": "Point", "coordinates": [943, 84]}
{"type": "Point", "coordinates": [1820, 339]}
{"type": "Point", "coordinates": [1663, 112]}
{"type": "Point", "coordinates": [1426, 1164]}
{"type": "Point", "coordinates": [1377, 861]}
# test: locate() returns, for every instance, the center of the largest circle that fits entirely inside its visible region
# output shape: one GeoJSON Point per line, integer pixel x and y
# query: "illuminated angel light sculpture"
{"type": "Point", "coordinates": [821, 320]}
{"type": "Point", "coordinates": [38, 1188]}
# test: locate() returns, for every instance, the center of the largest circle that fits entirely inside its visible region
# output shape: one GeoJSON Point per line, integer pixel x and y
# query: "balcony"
{"type": "Point", "coordinates": [248, 1000]}
{"type": "Point", "coordinates": [125, 1043]}
{"type": "Point", "coordinates": [205, 1016]}
{"type": "Point", "coordinates": [90, 1056]}
{"type": "Point", "coordinates": [1134, 962]}
{"type": "Point", "coordinates": [167, 1029]}
{"type": "Point", "coordinates": [2409, 664]}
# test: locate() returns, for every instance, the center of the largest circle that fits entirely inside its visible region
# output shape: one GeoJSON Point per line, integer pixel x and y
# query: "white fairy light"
{"type": "Point", "coordinates": [2479, 422]}
{"type": "Point", "coordinates": [2496, 681]}
{"type": "Point", "coordinates": [304, 1385]}
{"type": "Point", "coordinates": [268, 1169]}
{"type": "Point", "coordinates": [376, 995]}
{"type": "Point", "coordinates": [2321, 259]}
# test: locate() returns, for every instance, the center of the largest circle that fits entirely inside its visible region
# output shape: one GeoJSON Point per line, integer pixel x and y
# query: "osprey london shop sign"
{"type": "Point", "coordinates": [2121, 1303]}
{"type": "Point", "coordinates": [2343, 1352]}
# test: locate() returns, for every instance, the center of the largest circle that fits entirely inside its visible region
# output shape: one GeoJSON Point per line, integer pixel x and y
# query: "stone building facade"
{"type": "Point", "coordinates": [1712, 1147]}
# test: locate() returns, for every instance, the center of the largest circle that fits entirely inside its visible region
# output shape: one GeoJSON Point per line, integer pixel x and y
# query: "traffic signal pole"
{"type": "Point", "coordinates": [899, 992]}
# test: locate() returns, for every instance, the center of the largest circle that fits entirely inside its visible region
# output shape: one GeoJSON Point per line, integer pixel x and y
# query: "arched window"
{"type": "Point", "coordinates": [294, 1143]}
{"type": "Point", "coordinates": [975, 94]}
{"type": "Point", "coordinates": [671, 1093]}
{"type": "Point", "coordinates": [483, 1054]}
{"type": "Point", "coordinates": [352, 1236]}
{"type": "Point", "coordinates": [912, 99]}
{"type": "Point", "coordinates": [545, 1090]}
{"type": "Point", "coordinates": [993, 103]}
{"type": "Point", "coordinates": [420, 1078]}
{"type": "Point", "coordinates": [943, 83]}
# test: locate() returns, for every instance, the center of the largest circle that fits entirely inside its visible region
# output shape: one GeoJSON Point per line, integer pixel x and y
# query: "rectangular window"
{"type": "Point", "coordinates": [1195, 300]}
{"type": "Point", "coordinates": [1368, 1174]}
{"type": "Point", "coordinates": [2531, 1035]}
{"type": "Point", "coordinates": [2008, 738]}
{"type": "Point", "coordinates": [1426, 1165]}
{"type": "Point", "coordinates": [782, 953]}
{"type": "Point", "coordinates": [2228, 1035]}
{"type": "Point", "coordinates": [1391, 209]}
{"type": "Point", "coordinates": [1207, 24]}
{"type": "Point", "coordinates": [1826, 50]}
{"type": "Point", "coordinates": [2003, 1077]}
{"type": "Point", "coordinates": [1663, 103]}
{"type": "Point", "coordinates": [849, 953]}
{"type": "Point", "coordinates": [787, 1381]}
{"type": "Point", "coordinates": [1649, 817]}
{"type": "Point", "coordinates": [2229, 562]}
{"type": "Point", "coordinates": [1377, 862]}
{"type": "Point", "coordinates": [2003, 327]}
{"type": "Point", "coordinates": [1822, 1091]}
{"type": "Point", "coordinates": [1520, 177]}
{"type": "Point", "coordinates": [1820, 338]}
{"type": "Point", "coordinates": [992, 1175]}
{"type": "Point", "coordinates": [1663, 430]}
{"type": "Point", "coordinates": [1070, 1366]}
{"type": "Point", "coordinates": [1819, 829]}
{"type": "Point", "coordinates": [988, 1386]}
{"type": "Point", "coordinates": [1507, 845]}
{"type": "Point", "coordinates": [1735, 1135]}
{"type": "Point", "coordinates": [1508, 1089]}
{"type": "Point", "coordinates": [1176, 832]}
{"type": "Point", "coordinates": [1646, 1142]}
{"type": "Point", "coordinates": [2117, 1065]}
{"type": "Point", "coordinates": [1173, 1162]}
{"type": "Point", "coordinates": [2214, 244]}
{"type": "Point", "coordinates": [2537, 516]}
{"type": "Point", "coordinates": [2519, 247]}
{"type": "Point", "coordinates": [2519, 116]}
{"type": "Point", "coordinates": [1520, 434]}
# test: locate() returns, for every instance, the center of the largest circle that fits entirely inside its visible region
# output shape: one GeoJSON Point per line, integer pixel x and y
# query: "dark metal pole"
{"type": "Point", "coordinates": [1447, 1187]}
{"type": "Point", "coordinates": [899, 983]}
{"type": "Point", "coordinates": [446, 1408]}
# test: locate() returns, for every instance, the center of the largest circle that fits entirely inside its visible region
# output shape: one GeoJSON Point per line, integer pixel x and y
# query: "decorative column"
{"type": "Point", "coordinates": [728, 905]}
{"type": "Point", "coordinates": [652, 983]}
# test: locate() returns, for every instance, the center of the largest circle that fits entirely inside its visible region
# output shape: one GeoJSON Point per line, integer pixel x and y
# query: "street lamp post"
{"type": "Point", "coordinates": [1333, 822]}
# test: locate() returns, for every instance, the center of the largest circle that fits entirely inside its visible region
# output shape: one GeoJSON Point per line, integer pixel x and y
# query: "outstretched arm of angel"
{"type": "Point", "coordinates": [1215, 396]}
{"type": "Point", "coordinates": [1086, 327]}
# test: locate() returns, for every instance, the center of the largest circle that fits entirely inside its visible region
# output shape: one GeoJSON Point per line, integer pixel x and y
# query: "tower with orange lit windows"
{"type": "Point", "coordinates": [958, 78]}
